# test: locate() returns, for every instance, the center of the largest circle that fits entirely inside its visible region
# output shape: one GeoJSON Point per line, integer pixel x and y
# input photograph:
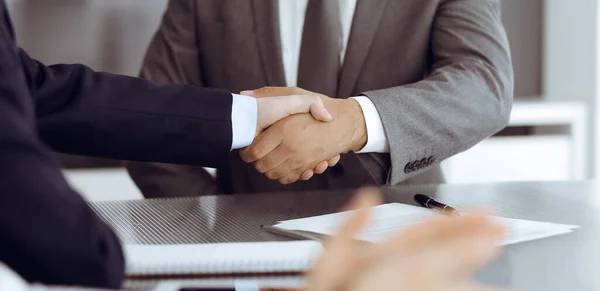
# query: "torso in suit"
{"type": "Point", "coordinates": [48, 233]}
{"type": "Point", "coordinates": [438, 72]}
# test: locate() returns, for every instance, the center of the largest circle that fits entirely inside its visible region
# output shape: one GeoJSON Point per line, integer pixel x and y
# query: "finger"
{"type": "Point", "coordinates": [334, 267]}
{"type": "Point", "coordinates": [469, 253]}
{"type": "Point", "coordinates": [307, 175]}
{"type": "Point", "coordinates": [261, 146]}
{"type": "Point", "coordinates": [319, 112]}
{"type": "Point", "coordinates": [332, 162]}
{"type": "Point", "coordinates": [269, 91]}
{"type": "Point", "coordinates": [321, 167]}
{"type": "Point", "coordinates": [292, 177]}
{"type": "Point", "coordinates": [272, 162]}
{"type": "Point", "coordinates": [306, 104]}
{"type": "Point", "coordinates": [273, 109]}
{"type": "Point", "coordinates": [361, 203]}
{"type": "Point", "coordinates": [279, 171]}
{"type": "Point", "coordinates": [461, 245]}
{"type": "Point", "coordinates": [439, 229]}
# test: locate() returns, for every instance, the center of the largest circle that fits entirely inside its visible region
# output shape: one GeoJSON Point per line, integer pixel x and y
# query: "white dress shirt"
{"type": "Point", "coordinates": [244, 119]}
{"type": "Point", "coordinates": [291, 23]}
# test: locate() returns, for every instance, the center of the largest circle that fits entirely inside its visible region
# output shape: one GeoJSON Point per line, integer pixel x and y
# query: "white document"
{"type": "Point", "coordinates": [221, 258]}
{"type": "Point", "coordinates": [388, 219]}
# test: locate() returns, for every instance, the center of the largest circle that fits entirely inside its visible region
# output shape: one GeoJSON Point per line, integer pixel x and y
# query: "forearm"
{"type": "Point", "coordinates": [466, 97]}
{"type": "Point", "coordinates": [98, 114]}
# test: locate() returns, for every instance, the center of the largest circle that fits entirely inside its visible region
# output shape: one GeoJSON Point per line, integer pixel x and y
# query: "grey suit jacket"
{"type": "Point", "coordinates": [438, 71]}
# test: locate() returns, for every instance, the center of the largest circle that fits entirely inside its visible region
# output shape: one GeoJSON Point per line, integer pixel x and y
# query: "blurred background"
{"type": "Point", "coordinates": [553, 133]}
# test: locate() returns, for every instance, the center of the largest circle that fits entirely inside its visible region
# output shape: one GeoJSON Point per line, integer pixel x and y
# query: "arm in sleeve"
{"type": "Point", "coordinates": [466, 97]}
{"type": "Point", "coordinates": [83, 112]}
{"type": "Point", "coordinates": [173, 58]}
{"type": "Point", "coordinates": [48, 233]}
{"type": "Point", "coordinates": [377, 141]}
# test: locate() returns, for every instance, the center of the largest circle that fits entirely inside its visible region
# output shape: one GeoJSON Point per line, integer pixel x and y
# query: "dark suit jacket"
{"type": "Point", "coordinates": [47, 232]}
{"type": "Point", "coordinates": [438, 71]}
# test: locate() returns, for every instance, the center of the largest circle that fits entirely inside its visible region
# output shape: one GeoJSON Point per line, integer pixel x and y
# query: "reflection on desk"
{"type": "Point", "coordinates": [568, 262]}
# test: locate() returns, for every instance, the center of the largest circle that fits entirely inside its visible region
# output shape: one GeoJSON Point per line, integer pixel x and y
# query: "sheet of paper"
{"type": "Point", "coordinates": [221, 258]}
{"type": "Point", "coordinates": [388, 219]}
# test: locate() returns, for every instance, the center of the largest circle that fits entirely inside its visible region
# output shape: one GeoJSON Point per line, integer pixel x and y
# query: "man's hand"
{"type": "Point", "coordinates": [273, 109]}
{"type": "Point", "coordinates": [298, 143]}
{"type": "Point", "coordinates": [437, 255]}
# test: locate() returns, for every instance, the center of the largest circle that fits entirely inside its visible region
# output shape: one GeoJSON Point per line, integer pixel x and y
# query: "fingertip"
{"type": "Point", "coordinates": [319, 112]}
{"type": "Point", "coordinates": [334, 161]}
{"type": "Point", "coordinates": [246, 156]}
{"type": "Point", "coordinates": [321, 167]}
{"type": "Point", "coordinates": [307, 175]}
{"type": "Point", "coordinates": [247, 92]}
{"type": "Point", "coordinates": [371, 195]}
{"type": "Point", "coordinates": [365, 198]}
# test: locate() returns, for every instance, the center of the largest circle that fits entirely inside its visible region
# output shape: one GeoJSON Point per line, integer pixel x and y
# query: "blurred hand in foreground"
{"type": "Point", "coordinates": [439, 255]}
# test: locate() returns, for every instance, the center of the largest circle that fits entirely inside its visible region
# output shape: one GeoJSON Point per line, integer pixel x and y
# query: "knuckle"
{"type": "Point", "coordinates": [271, 175]}
{"type": "Point", "coordinates": [298, 164]}
{"type": "Point", "coordinates": [253, 153]}
{"type": "Point", "coordinates": [288, 147]}
{"type": "Point", "coordinates": [288, 180]}
{"type": "Point", "coordinates": [260, 166]}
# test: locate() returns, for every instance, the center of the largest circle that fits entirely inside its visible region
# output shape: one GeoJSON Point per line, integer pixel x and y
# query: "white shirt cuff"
{"type": "Point", "coordinates": [244, 118]}
{"type": "Point", "coordinates": [377, 141]}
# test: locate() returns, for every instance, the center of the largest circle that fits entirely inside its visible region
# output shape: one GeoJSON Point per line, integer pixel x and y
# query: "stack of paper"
{"type": "Point", "coordinates": [392, 218]}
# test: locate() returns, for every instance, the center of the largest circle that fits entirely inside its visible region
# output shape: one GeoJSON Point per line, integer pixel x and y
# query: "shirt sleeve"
{"type": "Point", "coordinates": [377, 141]}
{"type": "Point", "coordinates": [244, 118]}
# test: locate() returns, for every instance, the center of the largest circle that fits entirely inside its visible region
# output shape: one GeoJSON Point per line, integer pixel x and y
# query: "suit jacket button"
{"type": "Point", "coordinates": [408, 168]}
{"type": "Point", "coordinates": [417, 165]}
{"type": "Point", "coordinates": [430, 161]}
{"type": "Point", "coordinates": [425, 163]}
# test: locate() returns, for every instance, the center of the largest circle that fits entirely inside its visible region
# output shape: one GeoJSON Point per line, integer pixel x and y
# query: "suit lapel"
{"type": "Point", "coordinates": [365, 23]}
{"type": "Point", "coordinates": [266, 24]}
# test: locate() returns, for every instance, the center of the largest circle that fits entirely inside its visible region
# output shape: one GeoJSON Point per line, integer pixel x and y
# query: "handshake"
{"type": "Point", "coordinates": [302, 134]}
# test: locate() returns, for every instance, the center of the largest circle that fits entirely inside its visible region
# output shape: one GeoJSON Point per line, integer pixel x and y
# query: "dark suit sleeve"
{"type": "Point", "coordinates": [173, 57]}
{"type": "Point", "coordinates": [47, 232]}
{"type": "Point", "coordinates": [83, 112]}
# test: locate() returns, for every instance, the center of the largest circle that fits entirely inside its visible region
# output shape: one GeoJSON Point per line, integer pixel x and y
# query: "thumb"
{"type": "Point", "coordinates": [308, 104]}
{"type": "Point", "coordinates": [319, 112]}
{"type": "Point", "coordinates": [273, 109]}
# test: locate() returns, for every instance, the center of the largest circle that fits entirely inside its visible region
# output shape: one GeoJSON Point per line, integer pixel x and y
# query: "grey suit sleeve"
{"type": "Point", "coordinates": [172, 57]}
{"type": "Point", "coordinates": [466, 97]}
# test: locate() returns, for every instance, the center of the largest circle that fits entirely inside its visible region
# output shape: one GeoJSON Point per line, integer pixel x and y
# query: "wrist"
{"type": "Point", "coordinates": [348, 114]}
{"type": "Point", "coordinates": [356, 118]}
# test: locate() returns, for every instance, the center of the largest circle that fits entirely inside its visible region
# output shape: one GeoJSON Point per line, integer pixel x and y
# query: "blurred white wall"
{"type": "Point", "coordinates": [107, 35]}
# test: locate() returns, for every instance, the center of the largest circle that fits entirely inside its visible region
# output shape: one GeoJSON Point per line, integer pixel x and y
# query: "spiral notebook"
{"type": "Point", "coordinates": [220, 258]}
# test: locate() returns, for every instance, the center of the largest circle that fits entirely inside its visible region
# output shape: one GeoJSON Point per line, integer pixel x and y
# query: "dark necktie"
{"type": "Point", "coordinates": [319, 62]}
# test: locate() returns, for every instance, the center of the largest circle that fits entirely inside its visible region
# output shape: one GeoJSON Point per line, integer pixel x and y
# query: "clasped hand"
{"type": "Point", "coordinates": [298, 146]}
